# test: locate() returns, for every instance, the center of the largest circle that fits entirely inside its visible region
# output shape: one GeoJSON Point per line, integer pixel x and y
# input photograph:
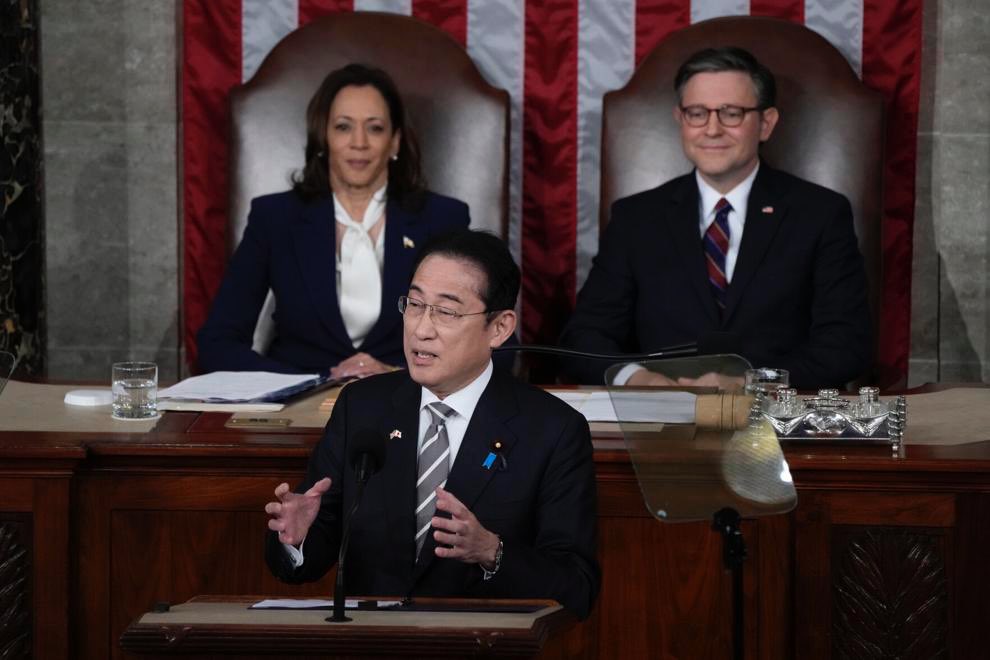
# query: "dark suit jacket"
{"type": "Point", "coordinates": [289, 246]}
{"type": "Point", "coordinates": [542, 504]}
{"type": "Point", "coordinates": [797, 300]}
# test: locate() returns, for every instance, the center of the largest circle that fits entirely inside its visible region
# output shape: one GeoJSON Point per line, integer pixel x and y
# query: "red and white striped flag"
{"type": "Point", "coordinates": [556, 58]}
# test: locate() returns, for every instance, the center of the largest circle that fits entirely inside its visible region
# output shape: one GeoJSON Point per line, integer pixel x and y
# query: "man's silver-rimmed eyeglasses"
{"type": "Point", "coordinates": [412, 308]}
{"type": "Point", "coordinates": [729, 116]}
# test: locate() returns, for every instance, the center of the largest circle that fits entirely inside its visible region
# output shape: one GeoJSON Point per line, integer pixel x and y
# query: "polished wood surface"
{"type": "Point", "coordinates": [211, 626]}
{"type": "Point", "coordinates": [119, 522]}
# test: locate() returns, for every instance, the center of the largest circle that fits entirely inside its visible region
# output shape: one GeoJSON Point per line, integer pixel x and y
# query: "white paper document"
{"type": "Point", "coordinates": [181, 405]}
{"type": "Point", "coordinates": [633, 405]}
{"type": "Point", "coordinates": [239, 387]}
{"type": "Point", "coordinates": [313, 604]}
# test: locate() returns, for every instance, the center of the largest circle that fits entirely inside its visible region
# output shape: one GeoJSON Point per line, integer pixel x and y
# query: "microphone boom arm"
{"type": "Point", "coordinates": [682, 350]}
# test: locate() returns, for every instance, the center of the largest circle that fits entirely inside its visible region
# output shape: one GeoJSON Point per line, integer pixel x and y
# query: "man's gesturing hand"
{"type": "Point", "coordinates": [292, 514]}
{"type": "Point", "coordinates": [469, 541]}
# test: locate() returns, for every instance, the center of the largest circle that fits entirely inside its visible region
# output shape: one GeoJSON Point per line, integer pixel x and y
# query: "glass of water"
{"type": "Point", "coordinates": [135, 390]}
{"type": "Point", "coordinates": [766, 381]}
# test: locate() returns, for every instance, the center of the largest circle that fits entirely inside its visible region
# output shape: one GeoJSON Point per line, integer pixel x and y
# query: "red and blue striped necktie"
{"type": "Point", "coordinates": [716, 244]}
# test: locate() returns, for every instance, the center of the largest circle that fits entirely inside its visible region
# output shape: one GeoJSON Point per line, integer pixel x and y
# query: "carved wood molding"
{"type": "Point", "coordinates": [890, 595]}
{"type": "Point", "coordinates": [15, 602]}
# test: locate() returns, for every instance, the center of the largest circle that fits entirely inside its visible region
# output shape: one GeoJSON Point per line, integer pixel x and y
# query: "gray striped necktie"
{"type": "Point", "coordinates": [434, 464]}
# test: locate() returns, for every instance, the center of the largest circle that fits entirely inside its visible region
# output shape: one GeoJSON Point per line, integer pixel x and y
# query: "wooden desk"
{"type": "Point", "coordinates": [209, 627]}
{"type": "Point", "coordinates": [111, 523]}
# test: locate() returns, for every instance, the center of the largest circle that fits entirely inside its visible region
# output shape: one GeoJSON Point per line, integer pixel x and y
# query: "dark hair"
{"type": "Point", "coordinates": [489, 254]}
{"type": "Point", "coordinates": [405, 178]}
{"type": "Point", "coordinates": [730, 58]}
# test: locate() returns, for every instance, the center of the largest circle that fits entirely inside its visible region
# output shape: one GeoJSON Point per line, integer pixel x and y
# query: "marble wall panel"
{"type": "Point", "coordinates": [21, 221]}
{"type": "Point", "coordinates": [923, 360]}
{"type": "Point", "coordinates": [109, 60]}
{"type": "Point", "coordinates": [963, 92]}
{"type": "Point", "coordinates": [950, 339]}
{"type": "Point", "coordinates": [925, 280]}
{"type": "Point", "coordinates": [961, 167]}
{"type": "Point", "coordinates": [110, 142]}
{"type": "Point", "coordinates": [87, 209]}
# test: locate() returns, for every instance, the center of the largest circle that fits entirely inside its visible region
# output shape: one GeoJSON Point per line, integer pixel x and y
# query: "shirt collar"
{"type": "Point", "coordinates": [464, 400]}
{"type": "Point", "coordinates": [371, 214]}
{"type": "Point", "coordinates": [737, 197]}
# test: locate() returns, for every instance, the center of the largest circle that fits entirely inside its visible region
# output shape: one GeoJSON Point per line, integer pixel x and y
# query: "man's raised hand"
{"type": "Point", "coordinates": [293, 513]}
{"type": "Point", "coordinates": [469, 541]}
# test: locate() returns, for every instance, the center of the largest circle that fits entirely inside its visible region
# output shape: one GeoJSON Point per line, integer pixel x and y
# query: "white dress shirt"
{"type": "Point", "coordinates": [463, 402]}
{"type": "Point", "coordinates": [359, 266]}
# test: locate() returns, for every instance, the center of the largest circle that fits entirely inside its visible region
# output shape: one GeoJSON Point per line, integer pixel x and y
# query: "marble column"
{"type": "Point", "coordinates": [21, 221]}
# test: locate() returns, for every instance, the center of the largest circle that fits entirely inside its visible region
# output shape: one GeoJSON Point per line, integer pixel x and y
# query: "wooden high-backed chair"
{"type": "Point", "coordinates": [461, 122]}
{"type": "Point", "coordinates": [830, 132]}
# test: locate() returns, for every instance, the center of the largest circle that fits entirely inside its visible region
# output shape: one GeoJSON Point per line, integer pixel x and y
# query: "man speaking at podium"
{"type": "Point", "coordinates": [735, 254]}
{"type": "Point", "coordinates": [487, 488]}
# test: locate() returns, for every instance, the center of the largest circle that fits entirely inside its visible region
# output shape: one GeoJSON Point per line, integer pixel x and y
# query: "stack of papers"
{"type": "Point", "coordinates": [259, 391]}
{"type": "Point", "coordinates": [631, 405]}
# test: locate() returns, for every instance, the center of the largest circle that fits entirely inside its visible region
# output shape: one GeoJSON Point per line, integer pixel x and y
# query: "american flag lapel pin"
{"type": "Point", "coordinates": [767, 209]}
{"type": "Point", "coordinates": [395, 434]}
{"type": "Point", "coordinates": [408, 242]}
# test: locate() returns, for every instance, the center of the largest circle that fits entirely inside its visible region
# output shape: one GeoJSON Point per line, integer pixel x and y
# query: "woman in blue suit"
{"type": "Point", "coordinates": [337, 249]}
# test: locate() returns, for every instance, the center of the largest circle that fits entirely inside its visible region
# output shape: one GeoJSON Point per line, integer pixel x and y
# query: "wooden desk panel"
{"type": "Point", "coordinates": [178, 512]}
{"type": "Point", "coordinates": [35, 546]}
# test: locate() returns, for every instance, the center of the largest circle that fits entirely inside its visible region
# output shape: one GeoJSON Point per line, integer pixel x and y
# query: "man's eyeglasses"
{"type": "Point", "coordinates": [729, 116]}
{"type": "Point", "coordinates": [444, 316]}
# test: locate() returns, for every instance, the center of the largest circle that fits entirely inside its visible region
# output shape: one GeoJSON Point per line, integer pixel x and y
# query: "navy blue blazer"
{"type": "Point", "coordinates": [289, 246]}
{"type": "Point", "coordinates": [797, 300]}
{"type": "Point", "coordinates": [542, 503]}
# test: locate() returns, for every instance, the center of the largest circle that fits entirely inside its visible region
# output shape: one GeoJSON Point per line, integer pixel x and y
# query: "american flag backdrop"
{"type": "Point", "coordinates": [556, 58]}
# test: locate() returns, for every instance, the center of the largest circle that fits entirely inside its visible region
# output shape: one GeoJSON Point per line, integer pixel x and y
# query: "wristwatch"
{"type": "Point", "coordinates": [489, 574]}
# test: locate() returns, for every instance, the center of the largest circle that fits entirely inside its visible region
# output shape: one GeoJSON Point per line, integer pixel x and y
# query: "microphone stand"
{"type": "Point", "coordinates": [726, 521]}
{"type": "Point", "coordinates": [363, 474]}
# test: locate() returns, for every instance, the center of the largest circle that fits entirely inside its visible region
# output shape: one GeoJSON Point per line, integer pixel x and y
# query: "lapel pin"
{"type": "Point", "coordinates": [495, 453]}
{"type": "Point", "coordinates": [395, 434]}
{"type": "Point", "coordinates": [408, 242]}
{"type": "Point", "coordinates": [767, 209]}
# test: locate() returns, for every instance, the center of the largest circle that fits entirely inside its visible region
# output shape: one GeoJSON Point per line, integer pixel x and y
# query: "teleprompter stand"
{"type": "Point", "coordinates": [719, 467]}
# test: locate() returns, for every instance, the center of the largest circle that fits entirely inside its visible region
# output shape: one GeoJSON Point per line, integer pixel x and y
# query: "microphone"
{"type": "Point", "coordinates": [366, 455]}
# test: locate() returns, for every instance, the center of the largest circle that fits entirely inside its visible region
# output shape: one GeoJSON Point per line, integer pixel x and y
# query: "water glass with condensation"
{"type": "Point", "coordinates": [135, 390]}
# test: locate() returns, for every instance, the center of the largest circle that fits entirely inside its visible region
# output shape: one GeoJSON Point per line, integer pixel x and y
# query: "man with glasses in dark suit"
{"type": "Point", "coordinates": [735, 254]}
{"type": "Point", "coordinates": [488, 485]}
